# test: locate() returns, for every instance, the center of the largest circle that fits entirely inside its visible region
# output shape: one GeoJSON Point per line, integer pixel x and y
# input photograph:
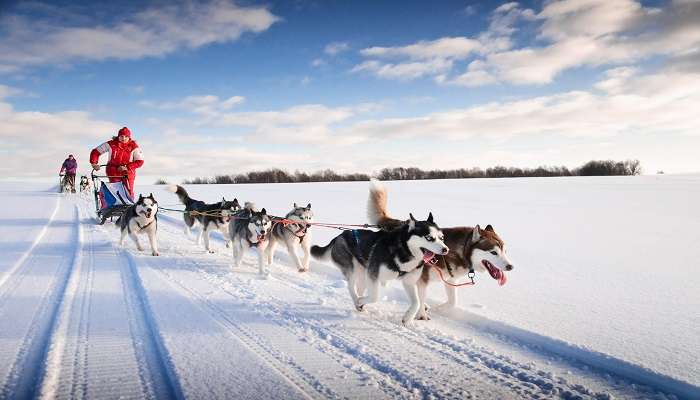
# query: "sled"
{"type": "Point", "coordinates": [112, 199]}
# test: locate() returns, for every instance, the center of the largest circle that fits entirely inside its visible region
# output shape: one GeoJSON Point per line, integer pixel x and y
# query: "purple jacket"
{"type": "Point", "coordinates": [70, 166]}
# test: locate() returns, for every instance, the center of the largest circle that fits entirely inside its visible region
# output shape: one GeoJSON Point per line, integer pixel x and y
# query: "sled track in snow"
{"type": "Point", "coordinates": [102, 342]}
{"type": "Point", "coordinates": [519, 379]}
{"type": "Point", "coordinates": [36, 322]}
{"type": "Point", "coordinates": [409, 376]}
{"type": "Point", "coordinates": [23, 258]}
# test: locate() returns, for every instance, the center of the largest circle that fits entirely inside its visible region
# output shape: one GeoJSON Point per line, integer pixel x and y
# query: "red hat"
{"type": "Point", "coordinates": [124, 132]}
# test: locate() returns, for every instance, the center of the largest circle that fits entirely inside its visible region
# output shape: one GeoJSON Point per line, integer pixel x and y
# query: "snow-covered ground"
{"type": "Point", "coordinates": [603, 301]}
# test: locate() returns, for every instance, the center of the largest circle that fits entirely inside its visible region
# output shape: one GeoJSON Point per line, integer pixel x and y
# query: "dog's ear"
{"type": "Point", "coordinates": [489, 228]}
{"type": "Point", "coordinates": [308, 206]}
{"type": "Point", "coordinates": [411, 222]}
{"type": "Point", "coordinates": [151, 196]}
{"type": "Point", "coordinates": [236, 203]}
{"type": "Point", "coordinates": [140, 198]}
{"type": "Point", "coordinates": [263, 212]}
{"type": "Point", "coordinates": [295, 205]}
{"type": "Point", "coordinates": [476, 234]}
{"type": "Point", "coordinates": [430, 217]}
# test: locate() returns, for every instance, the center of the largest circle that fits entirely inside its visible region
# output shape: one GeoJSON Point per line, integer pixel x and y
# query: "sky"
{"type": "Point", "coordinates": [223, 87]}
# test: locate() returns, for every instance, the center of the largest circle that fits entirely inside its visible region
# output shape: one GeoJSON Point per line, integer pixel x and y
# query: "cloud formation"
{"type": "Point", "coordinates": [574, 33]}
{"type": "Point", "coordinates": [158, 30]}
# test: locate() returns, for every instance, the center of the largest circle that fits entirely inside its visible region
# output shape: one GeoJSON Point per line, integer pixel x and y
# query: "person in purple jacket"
{"type": "Point", "coordinates": [70, 167]}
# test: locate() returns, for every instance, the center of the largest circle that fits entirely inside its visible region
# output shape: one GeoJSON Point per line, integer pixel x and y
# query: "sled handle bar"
{"type": "Point", "coordinates": [110, 176]}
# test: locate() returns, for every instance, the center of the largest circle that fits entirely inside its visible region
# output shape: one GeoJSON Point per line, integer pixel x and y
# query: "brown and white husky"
{"type": "Point", "coordinates": [471, 249]}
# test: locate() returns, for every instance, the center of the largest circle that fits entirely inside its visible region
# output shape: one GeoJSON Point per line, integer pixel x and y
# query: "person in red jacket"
{"type": "Point", "coordinates": [124, 157]}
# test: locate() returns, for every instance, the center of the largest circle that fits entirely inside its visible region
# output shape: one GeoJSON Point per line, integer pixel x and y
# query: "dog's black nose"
{"type": "Point", "coordinates": [509, 267]}
{"type": "Point", "coordinates": [149, 209]}
{"type": "Point", "coordinates": [445, 250]}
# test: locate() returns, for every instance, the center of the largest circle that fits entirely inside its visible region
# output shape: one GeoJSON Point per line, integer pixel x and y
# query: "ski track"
{"type": "Point", "coordinates": [91, 320]}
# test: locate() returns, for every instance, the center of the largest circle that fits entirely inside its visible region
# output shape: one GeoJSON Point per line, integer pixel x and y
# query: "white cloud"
{"type": "Point", "coordinates": [155, 31]}
{"type": "Point", "coordinates": [573, 33]}
{"type": "Point", "coordinates": [335, 48]}
{"type": "Point", "coordinates": [656, 104]}
{"type": "Point", "coordinates": [444, 48]}
{"type": "Point", "coordinates": [205, 105]}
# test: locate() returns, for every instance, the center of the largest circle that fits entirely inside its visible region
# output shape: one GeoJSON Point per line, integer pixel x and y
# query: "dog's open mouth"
{"type": "Point", "coordinates": [427, 255]}
{"type": "Point", "coordinates": [261, 237]}
{"type": "Point", "coordinates": [496, 273]}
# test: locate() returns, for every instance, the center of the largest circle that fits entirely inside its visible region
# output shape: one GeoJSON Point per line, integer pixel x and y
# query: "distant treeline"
{"type": "Point", "coordinates": [275, 175]}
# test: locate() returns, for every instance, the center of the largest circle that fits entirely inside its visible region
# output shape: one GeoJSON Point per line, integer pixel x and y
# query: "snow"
{"type": "Point", "coordinates": [602, 302]}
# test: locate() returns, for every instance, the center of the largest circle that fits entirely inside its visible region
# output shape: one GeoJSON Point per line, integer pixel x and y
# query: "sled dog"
{"type": "Point", "coordinates": [293, 235]}
{"type": "Point", "coordinates": [67, 184]}
{"type": "Point", "coordinates": [471, 248]}
{"type": "Point", "coordinates": [369, 259]}
{"type": "Point", "coordinates": [84, 184]}
{"type": "Point", "coordinates": [141, 218]}
{"type": "Point", "coordinates": [209, 216]}
{"type": "Point", "coordinates": [250, 228]}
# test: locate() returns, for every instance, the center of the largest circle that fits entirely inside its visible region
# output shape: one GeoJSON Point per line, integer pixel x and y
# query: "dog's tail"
{"type": "Point", "coordinates": [377, 213]}
{"type": "Point", "coordinates": [180, 192]}
{"type": "Point", "coordinates": [322, 253]}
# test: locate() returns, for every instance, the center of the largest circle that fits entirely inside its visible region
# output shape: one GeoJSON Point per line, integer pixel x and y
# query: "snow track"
{"type": "Point", "coordinates": [91, 320]}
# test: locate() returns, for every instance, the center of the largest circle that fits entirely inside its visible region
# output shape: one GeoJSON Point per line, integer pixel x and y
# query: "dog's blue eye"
{"type": "Point", "coordinates": [494, 253]}
{"type": "Point", "coordinates": [430, 238]}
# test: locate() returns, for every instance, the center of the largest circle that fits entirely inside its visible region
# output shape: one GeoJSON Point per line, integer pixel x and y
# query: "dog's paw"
{"type": "Point", "coordinates": [140, 248]}
{"type": "Point", "coordinates": [303, 269]}
{"type": "Point", "coordinates": [407, 323]}
{"type": "Point", "coordinates": [360, 307]}
{"type": "Point", "coordinates": [211, 251]}
{"type": "Point", "coordinates": [423, 316]}
{"type": "Point", "coordinates": [155, 254]}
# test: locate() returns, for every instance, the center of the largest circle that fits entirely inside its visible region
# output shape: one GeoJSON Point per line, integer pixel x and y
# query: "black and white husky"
{"type": "Point", "coordinates": [140, 219]}
{"type": "Point", "coordinates": [250, 228]}
{"type": "Point", "coordinates": [84, 184]}
{"type": "Point", "coordinates": [209, 216]}
{"type": "Point", "coordinates": [293, 235]}
{"type": "Point", "coordinates": [369, 259]}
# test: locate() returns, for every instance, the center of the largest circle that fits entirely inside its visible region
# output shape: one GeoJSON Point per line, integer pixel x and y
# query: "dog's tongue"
{"type": "Point", "coordinates": [502, 278]}
{"type": "Point", "coordinates": [428, 255]}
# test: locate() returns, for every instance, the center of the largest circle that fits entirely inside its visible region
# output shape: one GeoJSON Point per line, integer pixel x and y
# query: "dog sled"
{"type": "Point", "coordinates": [112, 199]}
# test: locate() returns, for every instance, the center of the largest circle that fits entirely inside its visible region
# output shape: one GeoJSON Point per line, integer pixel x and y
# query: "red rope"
{"type": "Point", "coordinates": [453, 284]}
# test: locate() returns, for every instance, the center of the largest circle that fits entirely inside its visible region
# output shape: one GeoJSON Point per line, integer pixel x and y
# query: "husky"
{"type": "Point", "coordinates": [293, 234]}
{"type": "Point", "coordinates": [250, 228]}
{"type": "Point", "coordinates": [472, 248]}
{"type": "Point", "coordinates": [141, 218]}
{"type": "Point", "coordinates": [67, 184]}
{"type": "Point", "coordinates": [209, 216]}
{"type": "Point", "coordinates": [369, 259]}
{"type": "Point", "coordinates": [84, 184]}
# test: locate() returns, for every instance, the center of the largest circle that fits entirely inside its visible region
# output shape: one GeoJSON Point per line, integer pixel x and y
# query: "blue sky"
{"type": "Point", "coordinates": [217, 87]}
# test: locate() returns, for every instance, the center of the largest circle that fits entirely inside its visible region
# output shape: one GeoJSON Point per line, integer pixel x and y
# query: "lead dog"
{"type": "Point", "coordinates": [293, 235]}
{"type": "Point", "coordinates": [472, 248]}
{"type": "Point", "coordinates": [369, 258]}
{"type": "Point", "coordinates": [209, 216]}
{"type": "Point", "coordinates": [250, 229]}
{"type": "Point", "coordinates": [141, 218]}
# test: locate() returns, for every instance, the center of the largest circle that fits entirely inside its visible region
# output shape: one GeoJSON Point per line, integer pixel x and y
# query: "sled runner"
{"type": "Point", "coordinates": [112, 199]}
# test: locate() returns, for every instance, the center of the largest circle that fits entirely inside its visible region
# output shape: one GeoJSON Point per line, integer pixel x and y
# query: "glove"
{"type": "Point", "coordinates": [96, 167]}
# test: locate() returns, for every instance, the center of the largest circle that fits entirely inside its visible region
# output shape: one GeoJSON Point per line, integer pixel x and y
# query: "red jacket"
{"type": "Point", "coordinates": [127, 154]}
